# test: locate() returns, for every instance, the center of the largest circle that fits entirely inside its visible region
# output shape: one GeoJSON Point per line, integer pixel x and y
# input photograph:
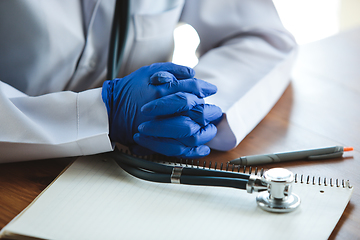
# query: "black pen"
{"type": "Point", "coordinates": [311, 154]}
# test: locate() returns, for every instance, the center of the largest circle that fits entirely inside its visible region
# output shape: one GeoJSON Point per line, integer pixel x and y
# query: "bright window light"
{"type": "Point", "coordinates": [309, 20]}
{"type": "Point", "coordinates": [186, 41]}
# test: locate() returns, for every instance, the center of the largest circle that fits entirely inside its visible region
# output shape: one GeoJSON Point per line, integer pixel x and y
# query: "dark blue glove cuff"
{"type": "Point", "coordinates": [117, 132]}
{"type": "Point", "coordinates": [106, 95]}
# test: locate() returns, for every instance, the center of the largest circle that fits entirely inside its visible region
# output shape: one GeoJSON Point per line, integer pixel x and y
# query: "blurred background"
{"type": "Point", "coordinates": [307, 20]}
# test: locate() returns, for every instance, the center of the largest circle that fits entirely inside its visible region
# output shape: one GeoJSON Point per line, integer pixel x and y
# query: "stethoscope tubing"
{"type": "Point", "coordinates": [119, 30]}
{"type": "Point", "coordinates": [156, 172]}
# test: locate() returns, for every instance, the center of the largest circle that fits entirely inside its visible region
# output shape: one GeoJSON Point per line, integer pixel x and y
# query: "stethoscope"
{"type": "Point", "coordinates": [118, 36]}
{"type": "Point", "coordinates": [275, 185]}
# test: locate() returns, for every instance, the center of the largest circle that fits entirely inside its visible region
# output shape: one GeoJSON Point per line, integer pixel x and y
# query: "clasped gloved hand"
{"type": "Point", "coordinates": [161, 108]}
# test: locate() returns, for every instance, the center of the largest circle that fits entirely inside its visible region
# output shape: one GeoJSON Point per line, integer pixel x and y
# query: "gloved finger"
{"type": "Point", "coordinates": [195, 86]}
{"type": "Point", "coordinates": [171, 147]}
{"type": "Point", "coordinates": [201, 137]}
{"type": "Point", "coordinates": [180, 72]}
{"type": "Point", "coordinates": [174, 127]}
{"type": "Point", "coordinates": [203, 114]}
{"type": "Point", "coordinates": [174, 103]}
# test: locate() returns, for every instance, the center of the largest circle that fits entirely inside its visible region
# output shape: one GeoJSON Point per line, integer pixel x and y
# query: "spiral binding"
{"type": "Point", "coordinates": [158, 158]}
{"type": "Point", "coordinates": [322, 181]}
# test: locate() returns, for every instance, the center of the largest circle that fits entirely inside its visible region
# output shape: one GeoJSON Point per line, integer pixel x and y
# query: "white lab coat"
{"type": "Point", "coordinates": [52, 52]}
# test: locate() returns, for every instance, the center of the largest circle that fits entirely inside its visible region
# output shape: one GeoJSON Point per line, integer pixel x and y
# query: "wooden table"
{"type": "Point", "coordinates": [321, 107]}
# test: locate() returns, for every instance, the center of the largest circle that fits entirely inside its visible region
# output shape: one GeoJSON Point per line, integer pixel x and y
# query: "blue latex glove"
{"type": "Point", "coordinates": [124, 97]}
{"type": "Point", "coordinates": [185, 133]}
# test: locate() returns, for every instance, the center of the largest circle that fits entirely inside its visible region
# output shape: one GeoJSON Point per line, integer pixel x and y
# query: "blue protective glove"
{"type": "Point", "coordinates": [180, 135]}
{"type": "Point", "coordinates": [125, 97]}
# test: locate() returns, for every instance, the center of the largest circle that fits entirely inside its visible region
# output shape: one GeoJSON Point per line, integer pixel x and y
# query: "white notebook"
{"type": "Point", "coordinates": [95, 199]}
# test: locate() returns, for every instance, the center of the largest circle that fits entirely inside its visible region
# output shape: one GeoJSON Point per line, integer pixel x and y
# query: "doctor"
{"type": "Point", "coordinates": [53, 64]}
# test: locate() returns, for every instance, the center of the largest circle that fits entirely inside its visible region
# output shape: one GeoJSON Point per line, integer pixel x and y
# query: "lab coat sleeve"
{"type": "Point", "coordinates": [54, 125]}
{"type": "Point", "coordinates": [246, 52]}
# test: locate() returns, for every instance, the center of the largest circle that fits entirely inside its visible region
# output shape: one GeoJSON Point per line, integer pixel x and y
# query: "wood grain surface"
{"type": "Point", "coordinates": [321, 107]}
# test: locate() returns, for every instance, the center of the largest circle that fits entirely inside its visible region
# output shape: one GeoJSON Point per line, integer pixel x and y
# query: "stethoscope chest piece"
{"type": "Point", "coordinates": [279, 197]}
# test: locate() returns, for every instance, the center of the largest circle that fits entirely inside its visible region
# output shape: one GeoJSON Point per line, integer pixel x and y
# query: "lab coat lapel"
{"type": "Point", "coordinates": [93, 60]}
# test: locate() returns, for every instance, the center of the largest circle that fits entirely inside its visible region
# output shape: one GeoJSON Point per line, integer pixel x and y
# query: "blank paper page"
{"type": "Point", "coordinates": [95, 199]}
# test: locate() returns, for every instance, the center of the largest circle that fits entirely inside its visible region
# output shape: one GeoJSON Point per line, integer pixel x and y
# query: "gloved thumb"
{"type": "Point", "coordinates": [161, 77]}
